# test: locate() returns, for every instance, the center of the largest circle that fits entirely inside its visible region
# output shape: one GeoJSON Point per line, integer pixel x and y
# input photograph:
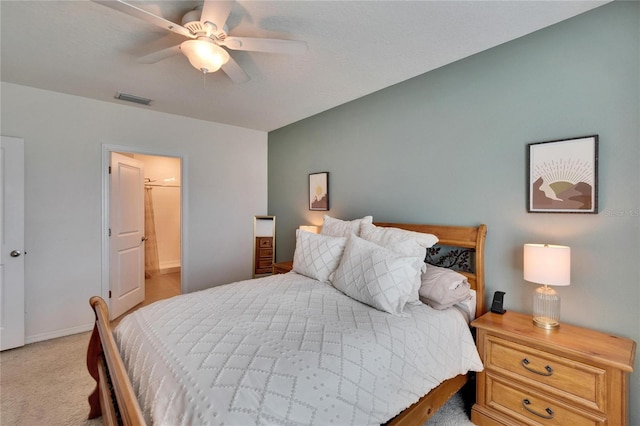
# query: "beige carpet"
{"type": "Point", "coordinates": [46, 383]}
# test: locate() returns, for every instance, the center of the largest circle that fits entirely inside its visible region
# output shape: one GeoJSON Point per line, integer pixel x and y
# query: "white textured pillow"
{"type": "Point", "coordinates": [317, 256]}
{"type": "Point", "coordinates": [405, 242]}
{"type": "Point", "coordinates": [343, 228]}
{"type": "Point", "coordinates": [375, 275]}
{"type": "Point", "coordinates": [442, 288]}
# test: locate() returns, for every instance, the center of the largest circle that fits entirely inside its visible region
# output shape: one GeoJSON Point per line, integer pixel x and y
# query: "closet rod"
{"type": "Point", "coordinates": [162, 186]}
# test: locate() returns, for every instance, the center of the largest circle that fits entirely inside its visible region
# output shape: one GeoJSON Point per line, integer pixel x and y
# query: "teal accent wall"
{"type": "Point", "coordinates": [449, 147]}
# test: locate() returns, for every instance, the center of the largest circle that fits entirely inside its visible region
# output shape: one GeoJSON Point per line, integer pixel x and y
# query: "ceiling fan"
{"type": "Point", "coordinates": [205, 27]}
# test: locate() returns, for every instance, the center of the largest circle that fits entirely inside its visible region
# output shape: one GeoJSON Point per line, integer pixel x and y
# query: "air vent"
{"type": "Point", "coordinates": [133, 98]}
{"type": "Point", "coordinates": [195, 27]}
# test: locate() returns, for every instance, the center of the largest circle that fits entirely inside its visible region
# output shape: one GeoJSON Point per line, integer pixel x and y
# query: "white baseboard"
{"type": "Point", "coordinates": [169, 267]}
{"type": "Point", "coordinates": [58, 333]}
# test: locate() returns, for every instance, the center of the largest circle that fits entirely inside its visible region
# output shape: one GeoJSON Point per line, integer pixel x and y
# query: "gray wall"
{"type": "Point", "coordinates": [449, 147]}
{"type": "Point", "coordinates": [63, 140]}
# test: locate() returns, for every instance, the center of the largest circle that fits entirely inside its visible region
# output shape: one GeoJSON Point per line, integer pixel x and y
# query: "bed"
{"type": "Point", "coordinates": [297, 351]}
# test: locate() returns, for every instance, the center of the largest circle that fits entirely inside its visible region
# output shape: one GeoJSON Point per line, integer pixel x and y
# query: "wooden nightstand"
{"type": "Point", "coordinates": [282, 267]}
{"type": "Point", "coordinates": [532, 376]}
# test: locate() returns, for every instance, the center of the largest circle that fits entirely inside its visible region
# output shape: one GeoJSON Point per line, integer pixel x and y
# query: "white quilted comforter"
{"type": "Point", "coordinates": [287, 350]}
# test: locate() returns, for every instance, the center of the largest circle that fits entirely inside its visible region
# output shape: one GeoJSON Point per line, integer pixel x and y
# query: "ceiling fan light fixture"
{"type": "Point", "coordinates": [204, 55]}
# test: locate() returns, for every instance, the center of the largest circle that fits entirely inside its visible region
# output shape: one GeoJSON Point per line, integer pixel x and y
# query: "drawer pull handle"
{"type": "Point", "coordinates": [548, 370]}
{"type": "Point", "coordinates": [549, 411]}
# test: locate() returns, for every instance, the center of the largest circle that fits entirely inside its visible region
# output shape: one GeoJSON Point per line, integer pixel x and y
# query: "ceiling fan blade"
{"type": "Point", "coordinates": [149, 17]}
{"type": "Point", "coordinates": [268, 45]}
{"type": "Point", "coordinates": [159, 55]}
{"type": "Point", "coordinates": [235, 73]}
{"type": "Point", "coordinates": [216, 12]}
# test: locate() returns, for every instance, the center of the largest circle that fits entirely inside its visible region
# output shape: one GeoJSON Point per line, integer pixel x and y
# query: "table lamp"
{"type": "Point", "coordinates": [549, 265]}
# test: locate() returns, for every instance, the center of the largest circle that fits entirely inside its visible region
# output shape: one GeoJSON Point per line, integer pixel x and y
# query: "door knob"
{"type": "Point", "coordinates": [15, 253]}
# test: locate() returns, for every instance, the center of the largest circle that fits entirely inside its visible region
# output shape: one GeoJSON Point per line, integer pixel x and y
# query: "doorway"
{"type": "Point", "coordinates": [163, 225]}
{"type": "Point", "coordinates": [162, 188]}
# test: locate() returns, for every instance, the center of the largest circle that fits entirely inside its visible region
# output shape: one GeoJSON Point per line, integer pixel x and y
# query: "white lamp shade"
{"type": "Point", "coordinates": [204, 55]}
{"type": "Point", "coordinates": [547, 264]}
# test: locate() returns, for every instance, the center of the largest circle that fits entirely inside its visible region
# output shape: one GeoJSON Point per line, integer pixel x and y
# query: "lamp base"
{"type": "Point", "coordinates": [546, 323]}
{"type": "Point", "coordinates": [546, 308]}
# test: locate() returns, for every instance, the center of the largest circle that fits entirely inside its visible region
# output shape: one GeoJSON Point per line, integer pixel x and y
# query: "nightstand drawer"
{"type": "Point", "coordinates": [264, 242]}
{"type": "Point", "coordinates": [573, 380]}
{"type": "Point", "coordinates": [265, 264]}
{"type": "Point", "coordinates": [534, 408]}
{"type": "Point", "coordinates": [265, 252]}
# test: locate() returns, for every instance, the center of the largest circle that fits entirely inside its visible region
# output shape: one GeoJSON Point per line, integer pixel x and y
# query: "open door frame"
{"type": "Point", "coordinates": [107, 149]}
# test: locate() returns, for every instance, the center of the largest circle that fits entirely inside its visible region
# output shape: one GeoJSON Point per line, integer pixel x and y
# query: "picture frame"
{"type": "Point", "coordinates": [563, 176]}
{"type": "Point", "coordinates": [319, 191]}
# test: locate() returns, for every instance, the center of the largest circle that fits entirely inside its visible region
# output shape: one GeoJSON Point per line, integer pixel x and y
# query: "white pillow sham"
{"type": "Point", "coordinates": [343, 228]}
{"type": "Point", "coordinates": [408, 243]}
{"type": "Point", "coordinates": [442, 288]}
{"type": "Point", "coordinates": [317, 256]}
{"type": "Point", "coordinates": [405, 243]}
{"type": "Point", "coordinates": [376, 276]}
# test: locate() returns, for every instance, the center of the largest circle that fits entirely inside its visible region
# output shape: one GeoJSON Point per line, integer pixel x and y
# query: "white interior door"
{"type": "Point", "coordinates": [12, 243]}
{"type": "Point", "coordinates": [126, 251]}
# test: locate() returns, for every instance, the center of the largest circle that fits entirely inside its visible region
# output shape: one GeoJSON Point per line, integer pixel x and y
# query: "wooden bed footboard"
{"type": "Point", "coordinates": [427, 406]}
{"type": "Point", "coordinates": [113, 397]}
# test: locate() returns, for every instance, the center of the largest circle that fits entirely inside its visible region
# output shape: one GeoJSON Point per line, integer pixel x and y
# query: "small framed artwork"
{"type": "Point", "coordinates": [319, 191]}
{"type": "Point", "coordinates": [563, 176]}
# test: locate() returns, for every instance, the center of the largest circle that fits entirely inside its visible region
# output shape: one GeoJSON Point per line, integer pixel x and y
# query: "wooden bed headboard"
{"type": "Point", "coordinates": [467, 255]}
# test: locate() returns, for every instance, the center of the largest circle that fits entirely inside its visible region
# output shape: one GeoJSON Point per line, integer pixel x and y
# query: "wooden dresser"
{"type": "Point", "coordinates": [264, 256]}
{"type": "Point", "coordinates": [568, 376]}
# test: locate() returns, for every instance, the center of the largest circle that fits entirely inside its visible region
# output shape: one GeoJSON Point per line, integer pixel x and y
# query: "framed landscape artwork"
{"type": "Point", "coordinates": [319, 191]}
{"type": "Point", "coordinates": [563, 176]}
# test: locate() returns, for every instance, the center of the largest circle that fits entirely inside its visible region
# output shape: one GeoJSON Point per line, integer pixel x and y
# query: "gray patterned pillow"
{"type": "Point", "coordinates": [442, 288]}
{"type": "Point", "coordinates": [375, 275]}
{"type": "Point", "coordinates": [317, 256]}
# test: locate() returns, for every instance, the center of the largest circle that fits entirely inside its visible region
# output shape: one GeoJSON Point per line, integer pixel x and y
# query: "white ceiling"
{"type": "Point", "coordinates": [355, 48]}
